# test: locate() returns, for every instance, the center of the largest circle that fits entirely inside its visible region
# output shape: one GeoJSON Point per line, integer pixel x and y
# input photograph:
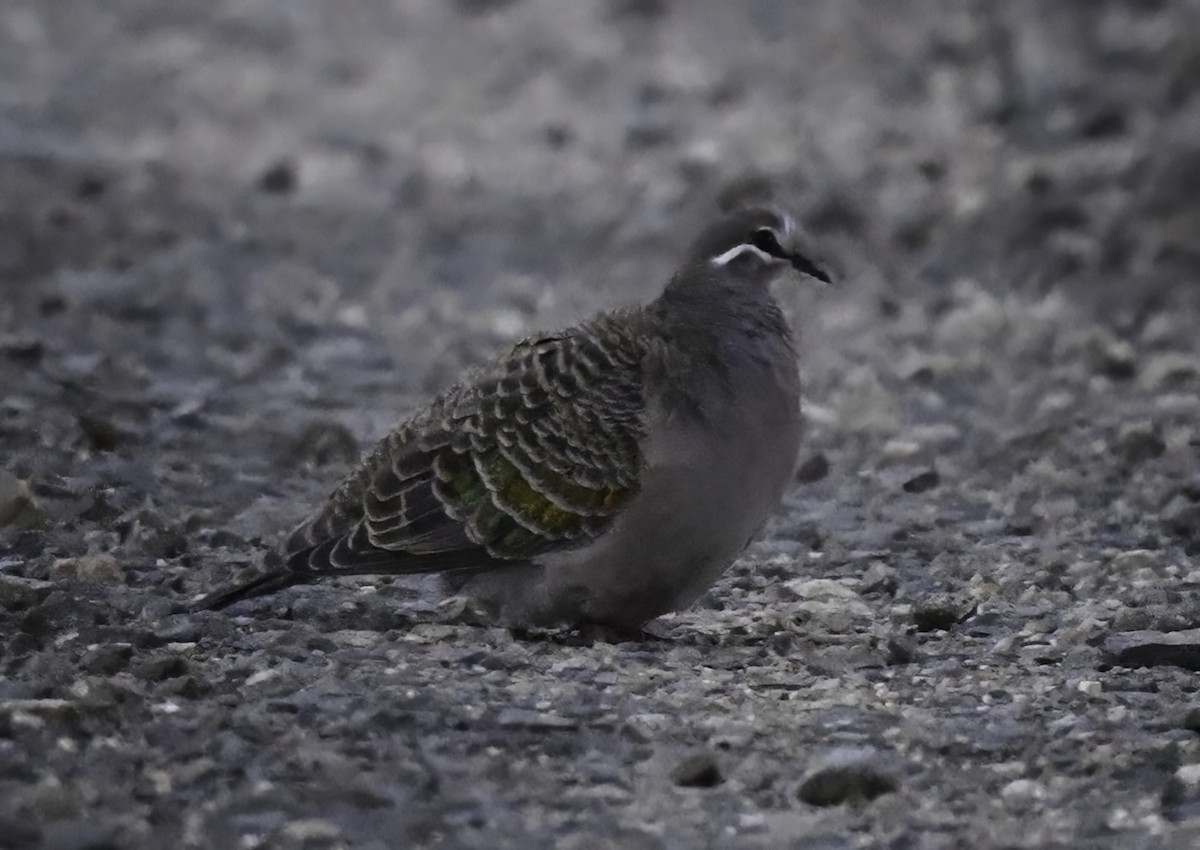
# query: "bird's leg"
{"type": "Point", "coordinates": [581, 634]}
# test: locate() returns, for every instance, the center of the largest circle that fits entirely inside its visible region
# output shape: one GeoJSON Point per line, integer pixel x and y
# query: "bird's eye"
{"type": "Point", "coordinates": [765, 240]}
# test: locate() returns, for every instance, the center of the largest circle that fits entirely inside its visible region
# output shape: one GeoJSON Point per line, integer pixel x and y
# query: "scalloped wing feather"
{"type": "Point", "coordinates": [539, 452]}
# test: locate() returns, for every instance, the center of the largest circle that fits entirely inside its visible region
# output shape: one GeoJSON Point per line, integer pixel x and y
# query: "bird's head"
{"type": "Point", "coordinates": [757, 242]}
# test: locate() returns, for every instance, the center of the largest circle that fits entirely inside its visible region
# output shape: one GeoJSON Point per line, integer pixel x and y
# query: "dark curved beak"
{"type": "Point", "coordinates": [806, 266]}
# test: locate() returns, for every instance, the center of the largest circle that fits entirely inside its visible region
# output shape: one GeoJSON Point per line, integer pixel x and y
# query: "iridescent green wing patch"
{"type": "Point", "coordinates": [553, 437]}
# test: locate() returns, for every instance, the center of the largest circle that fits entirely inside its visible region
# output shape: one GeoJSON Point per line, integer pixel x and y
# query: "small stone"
{"type": "Point", "coordinates": [52, 801]}
{"type": "Point", "coordinates": [1090, 687]}
{"type": "Point", "coordinates": [813, 469]}
{"type": "Point", "coordinates": [106, 659]}
{"type": "Point", "coordinates": [1181, 518]}
{"type": "Point", "coordinates": [1020, 794]}
{"type": "Point", "coordinates": [898, 449]}
{"type": "Point", "coordinates": [259, 677]}
{"type": "Point", "coordinates": [699, 770]}
{"type": "Point", "coordinates": [900, 649]}
{"type": "Point", "coordinates": [1139, 442]}
{"type": "Point", "coordinates": [926, 480]}
{"type": "Point", "coordinates": [324, 443]}
{"type": "Point", "coordinates": [847, 775]}
{"type": "Point", "coordinates": [820, 588]}
{"type": "Point", "coordinates": [880, 578]}
{"type": "Point", "coordinates": [1154, 649]}
{"type": "Point", "coordinates": [1189, 774]}
{"type": "Point", "coordinates": [91, 187]}
{"type": "Point", "coordinates": [356, 638]}
{"type": "Point", "coordinates": [1181, 793]}
{"type": "Point", "coordinates": [1169, 370]}
{"type": "Point", "coordinates": [464, 611]}
{"type": "Point", "coordinates": [941, 611]}
{"type": "Point", "coordinates": [1191, 719]}
{"type": "Point", "coordinates": [828, 599]}
{"type": "Point", "coordinates": [312, 830]}
{"type": "Point", "coordinates": [100, 567]}
{"type": "Point", "coordinates": [162, 669]}
{"type": "Point", "coordinates": [1135, 560]}
{"type": "Point", "coordinates": [47, 705]}
{"type": "Point", "coordinates": [1112, 357]}
{"type": "Point", "coordinates": [22, 349]}
{"type": "Point", "coordinates": [280, 178]}
{"type": "Point", "coordinates": [18, 507]}
{"type": "Point", "coordinates": [17, 593]}
{"type": "Point", "coordinates": [524, 718]}
{"type": "Point", "coordinates": [101, 434]}
{"type": "Point", "coordinates": [647, 727]}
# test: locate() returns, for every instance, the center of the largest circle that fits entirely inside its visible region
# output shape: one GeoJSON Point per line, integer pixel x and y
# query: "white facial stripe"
{"type": "Point", "coordinates": [733, 253]}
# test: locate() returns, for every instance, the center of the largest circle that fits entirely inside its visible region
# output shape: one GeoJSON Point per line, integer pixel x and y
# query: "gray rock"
{"type": "Point", "coordinates": [523, 718]}
{"type": "Point", "coordinates": [1154, 649]}
{"type": "Point", "coordinates": [880, 578]}
{"type": "Point", "coordinates": [1191, 719]}
{"type": "Point", "coordinates": [99, 567]}
{"type": "Point", "coordinates": [848, 775]}
{"type": "Point", "coordinates": [17, 592]}
{"type": "Point", "coordinates": [698, 770]}
{"type": "Point", "coordinates": [18, 507]}
{"type": "Point", "coordinates": [1139, 442]}
{"type": "Point", "coordinates": [941, 611]}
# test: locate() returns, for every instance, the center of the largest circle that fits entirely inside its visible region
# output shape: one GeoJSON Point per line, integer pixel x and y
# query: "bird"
{"type": "Point", "coordinates": [601, 475]}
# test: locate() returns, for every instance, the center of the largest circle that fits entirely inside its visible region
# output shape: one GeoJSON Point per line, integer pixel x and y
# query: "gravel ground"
{"type": "Point", "coordinates": [239, 239]}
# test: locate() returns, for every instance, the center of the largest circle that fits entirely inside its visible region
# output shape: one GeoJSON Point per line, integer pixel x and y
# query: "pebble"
{"type": "Point", "coordinates": [829, 600]}
{"type": "Point", "coordinates": [941, 611]}
{"type": "Point", "coordinates": [311, 830]}
{"type": "Point", "coordinates": [100, 567]}
{"type": "Point", "coordinates": [699, 770]}
{"type": "Point", "coordinates": [847, 775]}
{"type": "Point", "coordinates": [1020, 794]}
{"type": "Point", "coordinates": [524, 718]}
{"type": "Point", "coordinates": [900, 649]}
{"type": "Point", "coordinates": [1181, 793]}
{"type": "Point", "coordinates": [1163, 370]}
{"type": "Point", "coordinates": [1134, 560]}
{"type": "Point", "coordinates": [53, 801]}
{"type": "Point", "coordinates": [922, 482]}
{"type": "Point", "coordinates": [880, 578]}
{"type": "Point", "coordinates": [1191, 719]}
{"type": "Point", "coordinates": [1110, 356]}
{"type": "Point", "coordinates": [1154, 649]}
{"type": "Point", "coordinates": [1189, 774]}
{"type": "Point", "coordinates": [17, 504]}
{"type": "Point", "coordinates": [17, 592]}
{"type": "Point", "coordinates": [813, 469]}
{"type": "Point", "coordinates": [1138, 442]}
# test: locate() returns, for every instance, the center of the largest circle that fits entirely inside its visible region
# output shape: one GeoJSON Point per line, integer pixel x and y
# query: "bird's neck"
{"type": "Point", "coordinates": [720, 338]}
{"type": "Point", "coordinates": [720, 310]}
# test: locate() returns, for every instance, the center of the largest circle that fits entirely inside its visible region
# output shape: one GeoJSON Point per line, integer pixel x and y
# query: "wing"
{"type": "Point", "coordinates": [536, 453]}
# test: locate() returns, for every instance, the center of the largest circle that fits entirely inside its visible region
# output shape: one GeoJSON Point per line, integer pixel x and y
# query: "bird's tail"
{"type": "Point", "coordinates": [321, 561]}
{"type": "Point", "coordinates": [260, 586]}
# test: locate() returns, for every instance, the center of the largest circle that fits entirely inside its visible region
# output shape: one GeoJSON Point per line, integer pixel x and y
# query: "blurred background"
{"type": "Point", "coordinates": [217, 211]}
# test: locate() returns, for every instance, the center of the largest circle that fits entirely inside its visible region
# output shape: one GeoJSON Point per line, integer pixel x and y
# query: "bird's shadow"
{"type": "Point", "coordinates": [590, 634]}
